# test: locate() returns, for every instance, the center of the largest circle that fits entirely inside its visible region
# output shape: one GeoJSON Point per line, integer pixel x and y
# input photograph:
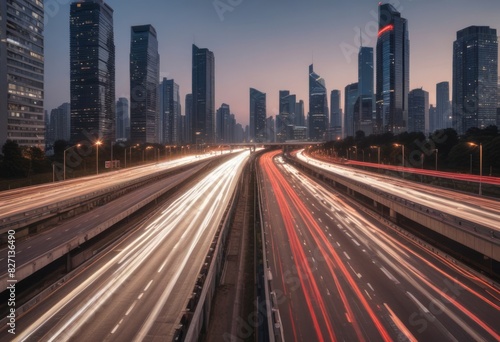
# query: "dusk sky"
{"type": "Point", "coordinates": [269, 44]}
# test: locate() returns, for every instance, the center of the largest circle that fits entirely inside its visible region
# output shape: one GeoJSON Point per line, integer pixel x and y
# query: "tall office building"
{"type": "Point", "coordinates": [475, 76]}
{"type": "Point", "coordinates": [170, 116]}
{"type": "Point", "coordinates": [335, 115]}
{"type": "Point", "coordinates": [300, 119]}
{"type": "Point", "coordinates": [318, 106]}
{"type": "Point", "coordinates": [418, 111]}
{"type": "Point", "coordinates": [59, 127]}
{"type": "Point", "coordinates": [22, 116]}
{"type": "Point", "coordinates": [203, 84]}
{"type": "Point", "coordinates": [223, 124]}
{"type": "Point", "coordinates": [393, 71]}
{"type": "Point", "coordinates": [351, 95]}
{"type": "Point", "coordinates": [443, 106]}
{"type": "Point", "coordinates": [92, 64]}
{"type": "Point", "coordinates": [363, 114]}
{"type": "Point", "coordinates": [433, 120]}
{"type": "Point", "coordinates": [188, 118]}
{"type": "Point", "coordinates": [286, 116]}
{"type": "Point", "coordinates": [122, 119]}
{"type": "Point", "coordinates": [144, 79]}
{"type": "Point", "coordinates": [257, 116]}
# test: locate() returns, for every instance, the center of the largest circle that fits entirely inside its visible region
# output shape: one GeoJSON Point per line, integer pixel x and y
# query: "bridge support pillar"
{"type": "Point", "coordinates": [392, 214]}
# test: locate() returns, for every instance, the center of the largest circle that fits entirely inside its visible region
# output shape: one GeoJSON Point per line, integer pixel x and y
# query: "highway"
{"type": "Point", "coordinates": [137, 290]}
{"type": "Point", "coordinates": [340, 274]}
{"type": "Point", "coordinates": [27, 200]}
{"type": "Point", "coordinates": [482, 211]}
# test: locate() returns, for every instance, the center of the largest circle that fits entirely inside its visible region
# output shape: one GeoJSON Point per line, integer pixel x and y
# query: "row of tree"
{"type": "Point", "coordinates": [454, 153]}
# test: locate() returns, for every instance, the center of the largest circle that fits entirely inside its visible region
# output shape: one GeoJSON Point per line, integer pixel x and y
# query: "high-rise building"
{"type": "Point", "coordinates": [92, 64]}
{"type": "Point", "coordinates": [144, 79]}
{"type": "Point", "coordinates": [363, 114]}
{"type": "Point", "coordinates": [203, 90]}
{"type": "Point", "coordinates": [318, 107]}
{"type": "Point", "coordinates": [257, 116]}
{"type": "Point", "coordinates": [300, 120]}
{"type": "Point", "coordinates": [22, 116]}
{"type": "Point", "coordinates": [351, 95]}
{"type": "Point", "coordinates": [223, 124]}
{"type": "Point", "coordinates": [335, 115]}
{"type": "Point", "coordinates": [286, 116]}
{"type": "Point", "coordinates": [393, 71]}
{"type": "Point", "coordinates": [188, 118]}
{"type": "Point", "coordinates": [59, 126]}
{"type": "Point", "coordinates": [170, 116]}
{"type": "Point", "coordinates": [433, 119]}
{"type": "Point", "coordinates": [443, 106]}
{"type": "Point", "coordinates": [475, 77]}
{"type": "Point", "coordinates": [418, 111]}
{"type": "Point", "coordinates": [122, 119]}
{"type": "Point", "coordinates": [270, 129]}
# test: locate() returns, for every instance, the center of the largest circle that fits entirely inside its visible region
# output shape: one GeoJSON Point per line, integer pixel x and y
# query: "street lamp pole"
{"type": "Point", "coordinates": [98, 142]}
{"type": "Point", "coordinates": [64, 161]}
{"type": "Point", "coordinates": [480, 167]}
{"type": "Point", "coordinates": [437, 151]}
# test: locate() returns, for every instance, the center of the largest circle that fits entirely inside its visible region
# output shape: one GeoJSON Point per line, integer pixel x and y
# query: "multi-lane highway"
{"type": "Point", "coordinates": [483, 211]}
{"type": "Point", "coordinates": [26, 200]}
{"type": "Point", "coordinates": [340, 274]}
{"type": "Point", "coordinates": [138, 289]}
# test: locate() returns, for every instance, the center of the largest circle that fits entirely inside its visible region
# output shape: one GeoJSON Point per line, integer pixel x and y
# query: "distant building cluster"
{"type": "Point", "coordinates": [380, 101]}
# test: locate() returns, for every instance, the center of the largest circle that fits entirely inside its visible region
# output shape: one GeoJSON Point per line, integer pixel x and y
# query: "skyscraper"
{"type": "Point", "coordinates": [418, 111]}
{"type": "Point", "coordinates": [59, 127]}
{"type": "Point", "coordinates": [443, 106]}
{"type": "Point", "coordinates": [223, 123]}
{"type": "Point", "coordinates": [351, 95]}
{"type": "Point", "coordinates": [170, 116]}
{"type": "Point", "coordinates": [318, 106]}
{"type": "Point", "coordinates": [122, 119]}
{"type": "Point", "coordinates": [92, 64]}
{"type": "Point", "coordinates": [393, 71]}
{"type": "Point", "coordinates": [203, 84]}
{"type": "Point", "coordinates": [22, 116]}
{"type": "Point", "coordinates": [257, 116]}
{"type": "Point", "coordinates": [144, 79]}
{"type": "Point", "coordinates": [363, 115]}
{"type": "Point", "coordinates": [286, 115]}
{"type": "Point", "coordinates": [335, 115]}
{"type": "Point", "coordinates": [188, 113]}
{"type": "Point", "coordinates": [475, 73]}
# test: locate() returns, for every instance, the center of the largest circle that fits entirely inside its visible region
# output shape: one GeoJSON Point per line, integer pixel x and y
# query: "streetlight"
{"type": "Point", "coordinates": [403, 152]}
{"type": "Point", "coordinates": [378, 152]}
{"type": "Point", "coordinates": [437, 151]}
{"type": "Point", "coordinates": [480, 164]}
{"type": "Point", "coordinates": [97, 143]}
{"type": "Point", "coordinates": [64, 157]}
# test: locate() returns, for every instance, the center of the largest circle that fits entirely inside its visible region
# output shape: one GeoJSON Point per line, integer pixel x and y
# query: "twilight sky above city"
{"type": "Point", "coordinates": [269, 44]}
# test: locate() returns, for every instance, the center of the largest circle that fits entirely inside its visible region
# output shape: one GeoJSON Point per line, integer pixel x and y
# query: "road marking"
{"type": "Point", "coordinates": [116, 326]}
{"type": "Point", "coordinates": [370, 286]}
{"type": "Point", "coordinates": [28, 247]}
{"type": "Point", "coordinates": [130, 308]}
{"type": "Point", "coordinates": [368, 294]}
{"type": "Point", "coordinates": [162, 265]}
{"type": "Point", "coordinates": [48, 238]}
{"type": "Point", "coordinates": [356, 242]}
{"type": "Point", "coordinates": [347, 233]}
{"type": "Point", "coordinates": [417, 302]}
{"type": "Point", "coordinates": [147, 286]}
{"type": "Point", "coordinates": [389, 275]}
{"type": "Point", "coordinates": [140, 296]}
{"type": "Point", "coordinates": [338, 244]}
{"type": "Point", "coordinates": [347, 256]}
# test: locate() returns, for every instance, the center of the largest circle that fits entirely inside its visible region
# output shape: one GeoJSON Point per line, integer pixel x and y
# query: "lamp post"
{"type": "Point", "coordinates": [437, 151]}
{"type": "Point", "coordinates": [378, 152]}
{"type": "Point", "coordinates": [97, 143]}
{"type": "Point", "coordinates": [480, 164]}
{"type": "Point", "coordinates": [64, 157]}
{"type": "Point", "coordinates": [403, 154]}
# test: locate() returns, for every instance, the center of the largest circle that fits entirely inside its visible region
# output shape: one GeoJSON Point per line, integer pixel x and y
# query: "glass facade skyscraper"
{"type": "Point", "coordinates": [418, 111]}
{"type": "Point", "coordinates": [21, 72]}
{"type": "Point", "coordinates": [144, 79]}
{"type": "Point", "coordinates": [122, 119]}
{"type": "Point", "coordinates": [443, 106]}
{"type": "Point", "coordinates": [203, 90]}
{"type": "Point", "coordinates": [351, 95]}
{"type": "Point", "coordinates": [170, 115]}
{"type": "Point", "coordinates": [257, 116]}
{"type": "Point", "coordinates": [92, 64]}
{"type": "Point", "coordinates": [363, 114]}
{"type": "Point", "coordinates": [335, 115]}
{"type": "Point", "coordinates": [393, 71]}
{"type": "Point", "coordinates": [475, 77]}
{"type": "Point", "coordinates": [318, 106]}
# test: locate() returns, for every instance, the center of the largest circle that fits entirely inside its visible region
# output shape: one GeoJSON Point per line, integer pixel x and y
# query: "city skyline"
{"type": "Point", "coordinates": [249, 49]}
